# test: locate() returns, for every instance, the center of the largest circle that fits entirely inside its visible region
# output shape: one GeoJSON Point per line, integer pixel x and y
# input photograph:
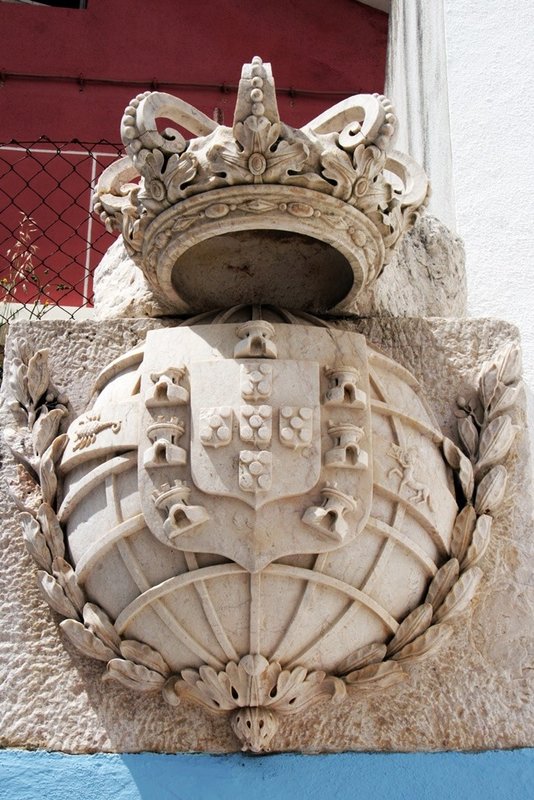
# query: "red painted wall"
{"type": "Point", "coordinates": [331, 49]}
{"type": "Point", "coordinates": [333, 46]}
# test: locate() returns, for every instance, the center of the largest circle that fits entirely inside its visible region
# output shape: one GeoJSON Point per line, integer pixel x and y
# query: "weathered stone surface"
{"type": "Point", "coordinates": [426, 277]}
{"type": "Point", "coordinates": [121, 289]}
{"type": "Point", "coordinates": [474, 694]}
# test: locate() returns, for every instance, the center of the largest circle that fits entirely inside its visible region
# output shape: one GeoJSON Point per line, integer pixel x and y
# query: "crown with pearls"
{"type": "Point", "coordinates": [260, 212]}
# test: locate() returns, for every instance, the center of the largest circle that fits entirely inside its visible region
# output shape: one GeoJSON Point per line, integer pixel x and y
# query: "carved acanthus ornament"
{"type": "Point", "coordinates": [257, 692]}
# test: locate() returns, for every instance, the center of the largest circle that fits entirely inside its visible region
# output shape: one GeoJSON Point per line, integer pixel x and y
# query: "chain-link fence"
{"type": "Point", "coordinates": [50, 243]}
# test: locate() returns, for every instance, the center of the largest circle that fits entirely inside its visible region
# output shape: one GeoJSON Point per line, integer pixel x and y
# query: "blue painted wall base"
{"type": "Point", "coordinates": [500, 775]}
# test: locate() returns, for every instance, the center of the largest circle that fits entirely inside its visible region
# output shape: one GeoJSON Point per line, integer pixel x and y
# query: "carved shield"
{"type": "Point", "coordinates": [249, 451]}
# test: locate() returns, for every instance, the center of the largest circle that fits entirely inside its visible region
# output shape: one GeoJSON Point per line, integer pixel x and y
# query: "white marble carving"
{"type": "Point", "coordinates": [180, 516]}
{"type": "Point", "coordinates": [147, 628]}
{"type": "Point", "coordinates": [258, 515]}
{"type": "Point", "coordinates": [167, 616]}
{"type": "Point", "coordinates": [335, 184]}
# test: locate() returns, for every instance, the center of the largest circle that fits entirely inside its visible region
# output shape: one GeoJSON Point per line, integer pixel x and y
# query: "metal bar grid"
{"type": "Point", "coordinates": [50, 244]}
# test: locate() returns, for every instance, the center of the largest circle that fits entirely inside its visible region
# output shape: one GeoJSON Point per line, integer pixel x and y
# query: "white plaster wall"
{"type": "Point", "coordinates": [491, 86]}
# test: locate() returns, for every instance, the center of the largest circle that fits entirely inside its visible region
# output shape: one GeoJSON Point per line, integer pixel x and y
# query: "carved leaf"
{"type": "Point", "coordinates": [18, 382]}
{"type": "Point", "coordinates": [244, 682]}
{"type": "Point", "coordinates": [383, 675]}
{"type": "Point", "coordinates": [218, 682]}
{"type": "Point", "coordinates": [145, 655]}
{"type": "Point", "coordinates": [368, 654]}
{"type": "Point", "coordinates": [495, 441]}
{"type": "Point", "coordinates": [462, 532]}
{"type": "Point", "coordinates": [491, 490]}
{"type": "Point", "coordinates": [415, 623]}
{"type": "Point", "coordinates": [47, 469]}
{"type": "Point", "coordinates": [488, 385]}
{"type": "Point", "coordinates": [288, 685]}
{"type": "Point", "coordinates": [170, 691]}
{"type": "Point", "coordinates": [97, 621]}
{"type": "Point", "coordinates": [260, 135]}
{"type": "Point", "coordinates": [370, 161]}
{"type": "Point", "coordinates": [152, 162]}
{"type": "Point", "coordinates": [481, 540]}
{"type": "Point", "coordinates": [287, 156]}
{"type": "Point", "coordinates": [254, 682]}
{"type": "Point", "coordinates": [255, 728]}
{"type": "Point", "coordinates": [297, 689]}
{"type": "Point", "coordinates": [85, 641]}
{"type": "Point", "coordinates": [35, 541]}
{"type": "Point", "coordinates": [47, 479]}
{"type": "Point", "coordinates": [18, 411]}
{"type": "Point", "coordinates": [24, 349]}
{"type": "Point", "coordinates": [55, 596]}
{"type": "Point", "coordinates": [458, 461]}
{"type": "Point", "coordinates": [295, 695]}
{"type": "Point", "coordinates": [471, 408]}
{"type": "Point", "coordinates": [309, 180]}
{"type": "Point", "coordinates": [66, 577]}
{"type": "Point", "coordinates": [424, 645]}
{"type": "Point", "coordinates": [24, 502]}
{"type": "Point", "coordinates": [442, 583]}
{"type": "Point", "coordinates": [505, 398]}
{"type": "Point", "coordinates": [469, 436]}
{"type": "Point", "coordinates": [460, 595]}
{"type": "Point", "coordinates": [180, 171]}
{"type": "Point", "coordinates": [38, 376]}
{"type": "Point", "coordinates": [207, 688]}
{"type": "Point", "coordinates": [17, 442]}
{"type": "Point", "coordinates": [45, 430]}
{"type": "Point", "coordinates": [509, 364]}
{"type": "Point", "coordinates": [337, 168]}
{"type": "Point", "coordinates": [134, 676]}
{"type": "Point", "coordinates": [57, 447]}
{"type": "Point", "coordinates": [52, 530]}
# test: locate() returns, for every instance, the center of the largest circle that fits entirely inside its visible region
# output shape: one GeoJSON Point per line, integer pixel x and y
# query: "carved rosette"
{"type": "Point", "coordinates": [267, 660]}
{"type": "Point", "coordinates": [335, 180]}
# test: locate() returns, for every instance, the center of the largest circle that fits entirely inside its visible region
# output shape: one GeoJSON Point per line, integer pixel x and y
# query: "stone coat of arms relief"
{"type": "Point", "coordinates": [258, 511]}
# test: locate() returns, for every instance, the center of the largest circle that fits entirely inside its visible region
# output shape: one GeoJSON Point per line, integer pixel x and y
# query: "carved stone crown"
{"type": "Point", "coordinates": [332, 189]}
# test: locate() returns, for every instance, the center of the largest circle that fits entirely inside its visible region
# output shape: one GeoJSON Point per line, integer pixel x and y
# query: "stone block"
{"type": "Point", "coordinates": [475, 693]}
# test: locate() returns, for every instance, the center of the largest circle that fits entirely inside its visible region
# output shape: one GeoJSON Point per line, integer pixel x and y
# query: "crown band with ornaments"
{"type": "Point", "coordinates": [332, 191]}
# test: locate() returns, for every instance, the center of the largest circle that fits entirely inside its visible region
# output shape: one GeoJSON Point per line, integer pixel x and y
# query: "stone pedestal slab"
{"type": "Point", "coordinates": [475, 693]}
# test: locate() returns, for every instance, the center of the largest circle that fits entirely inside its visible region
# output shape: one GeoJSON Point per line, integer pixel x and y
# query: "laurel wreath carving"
{"type": "Point", "coordinates": [255, 690]}
{"type": "Point", "coordinates": [486, 433]}
{"type": "Point", "coordinates": [39, 410]}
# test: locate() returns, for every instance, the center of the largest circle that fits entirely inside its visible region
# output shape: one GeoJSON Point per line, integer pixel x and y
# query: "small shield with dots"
{"type": "Point", "coordinates": [259, 440]}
